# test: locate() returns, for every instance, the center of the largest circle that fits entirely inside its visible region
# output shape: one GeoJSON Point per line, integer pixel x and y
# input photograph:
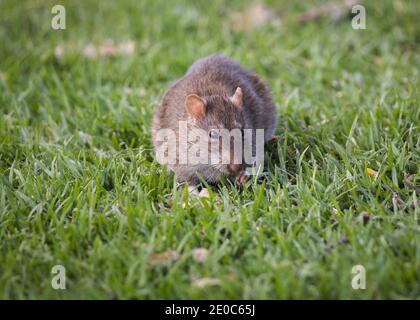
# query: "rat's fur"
{"type": "Point", "coordinates": [215, 79]}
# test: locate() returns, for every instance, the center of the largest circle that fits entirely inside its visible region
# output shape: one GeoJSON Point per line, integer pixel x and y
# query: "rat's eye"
{"type": "Point", "coordinates": [214, 134]}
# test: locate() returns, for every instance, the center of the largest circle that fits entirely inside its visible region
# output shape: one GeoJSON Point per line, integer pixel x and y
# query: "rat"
{"type": "Point", "coordinates": [215, 93]}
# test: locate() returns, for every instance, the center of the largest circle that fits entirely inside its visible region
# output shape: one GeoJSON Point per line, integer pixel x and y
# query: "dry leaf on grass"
{"type": "Point", "coordinates": [210, 281]}
{"type": "Point", "coordinates": [371, 173]}
{"type": "Point", "coordinates": [141, 92]}
{"type": "Point", "coordinates": [90, 51]}
{"type": "Point", "coordinates": [399, 6]}
{"type": "Point", "coordinates": [231, 277]}
{"type": "Point", "coordinates": [106, 49]}
{"type": "Point", "coordinates": [166, 257]}
{"type": "Point", "coordinates": [410, 182]}
{"type": "Point", "coordinates": [110, 49]}
{"type": "Point", "coordinates": [200, 254]}
{"type": "Point", "coordinates": [253, 17]}
{"type": "Point", "coordinates": [335, 10]}
{"type": "Point", "coordinates": [206, 282]}
{"type": "Point", "coordinates": [59, 51]}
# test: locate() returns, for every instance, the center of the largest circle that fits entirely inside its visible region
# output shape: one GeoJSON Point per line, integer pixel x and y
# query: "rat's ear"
{"type": "Point", "coordinates": [195, 106]}
{"type": "Point", "coordinates": [237, 97]}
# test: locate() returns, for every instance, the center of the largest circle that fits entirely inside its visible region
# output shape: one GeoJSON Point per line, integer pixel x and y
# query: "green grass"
{"type": "Point", "coordinates": [79, 185]}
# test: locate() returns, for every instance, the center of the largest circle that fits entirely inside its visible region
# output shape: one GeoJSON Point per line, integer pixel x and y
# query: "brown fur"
{"type": "Point", "coordinates": [215, 79]}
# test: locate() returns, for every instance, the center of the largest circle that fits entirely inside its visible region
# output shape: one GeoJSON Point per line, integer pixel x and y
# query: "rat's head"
{"type": "Point", "coordinates": [215, 115]}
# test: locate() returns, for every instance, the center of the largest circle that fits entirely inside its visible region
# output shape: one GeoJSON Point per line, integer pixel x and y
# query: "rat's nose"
{"type": "Point", "coordinates": [235, 168]}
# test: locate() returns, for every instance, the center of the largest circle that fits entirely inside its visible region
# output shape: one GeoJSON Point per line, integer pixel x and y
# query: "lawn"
{"type": "Point", "coordinates": [80, 187]}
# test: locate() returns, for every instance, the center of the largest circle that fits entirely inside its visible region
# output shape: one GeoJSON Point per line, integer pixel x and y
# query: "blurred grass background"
{"type": "Point", "coordinates": [79, 185]}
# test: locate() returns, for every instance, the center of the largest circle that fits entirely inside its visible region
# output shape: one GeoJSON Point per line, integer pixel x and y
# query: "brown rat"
{"type": "Point", "coordinates": [215, 93]}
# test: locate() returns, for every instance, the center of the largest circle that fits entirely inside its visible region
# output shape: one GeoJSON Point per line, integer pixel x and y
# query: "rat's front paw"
{"type": "Point", "coordinates": [193, 191]}
{"type": "Point", "coordinates": [242, 177]}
